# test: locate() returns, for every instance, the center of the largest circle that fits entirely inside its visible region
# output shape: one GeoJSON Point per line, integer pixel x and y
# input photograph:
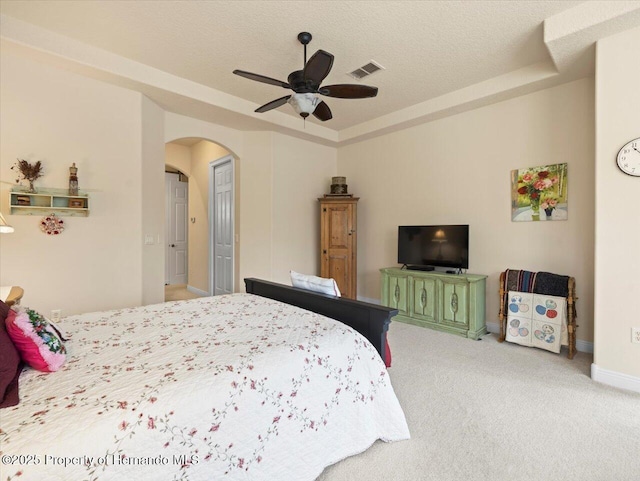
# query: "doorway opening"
{"type": "Point", "coordinates": [209, 264]}
{"type": "Point", "coordinates": [176, 227]}
{"type": "Point", "coordinates": [221, 225]}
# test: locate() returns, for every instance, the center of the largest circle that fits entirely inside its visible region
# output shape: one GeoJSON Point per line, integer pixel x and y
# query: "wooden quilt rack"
{"type": "Point", "coordinates": [571, 312]}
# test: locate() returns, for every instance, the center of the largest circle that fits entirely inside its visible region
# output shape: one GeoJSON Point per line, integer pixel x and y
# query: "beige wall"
{"type": "Point", "coordinates": [279, 223]}
{"type": "Point", "coordinates": [58, 117]}
{"type": "Point", "coordinates": [457, 171]}
{"type": "Point", "coordinates": [152, 196]}
{"type": "Point", "coordinates": [302, 172]}
{"type": "Point", "coordinates": [179, 157]}
{"type": "Point", "coordinates": [617, 259]}
{"type": "Point", "coordinates": [256, 226]}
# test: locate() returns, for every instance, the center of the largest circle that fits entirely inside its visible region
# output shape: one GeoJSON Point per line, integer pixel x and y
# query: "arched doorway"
{"type": "Point", "coordinates": [194, 157]}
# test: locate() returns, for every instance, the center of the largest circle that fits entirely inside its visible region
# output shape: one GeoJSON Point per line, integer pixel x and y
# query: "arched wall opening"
{"type": "Point", "coordinates": [192, 156]}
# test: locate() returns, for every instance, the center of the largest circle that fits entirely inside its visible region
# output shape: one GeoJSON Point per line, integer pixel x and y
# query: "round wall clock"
{"type": "Point", "coordinates": [628, 158]}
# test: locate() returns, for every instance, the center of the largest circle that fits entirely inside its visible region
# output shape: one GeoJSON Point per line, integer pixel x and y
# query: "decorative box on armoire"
{"type": "Point", "coordinates": [338, 241]}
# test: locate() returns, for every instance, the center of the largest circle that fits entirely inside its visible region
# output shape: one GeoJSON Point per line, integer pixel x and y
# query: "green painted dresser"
{"type": "Point", "coordinates": [452, 303]}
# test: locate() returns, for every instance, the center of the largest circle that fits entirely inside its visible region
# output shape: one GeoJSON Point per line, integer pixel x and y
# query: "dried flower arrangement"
{"type": "Point", "coordinates": [29, 172]}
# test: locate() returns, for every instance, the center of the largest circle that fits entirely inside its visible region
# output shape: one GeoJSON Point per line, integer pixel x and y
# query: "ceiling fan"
{"type": "Point", "coordinates": [306, 85]}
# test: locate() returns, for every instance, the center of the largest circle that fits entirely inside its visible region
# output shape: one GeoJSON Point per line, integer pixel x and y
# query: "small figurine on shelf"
{"type": "Point", "coordinates": [73, 180]}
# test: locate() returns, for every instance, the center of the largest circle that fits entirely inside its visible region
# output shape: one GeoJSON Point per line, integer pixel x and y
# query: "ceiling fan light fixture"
{"type": "Point", "coordinates": [304, 104]}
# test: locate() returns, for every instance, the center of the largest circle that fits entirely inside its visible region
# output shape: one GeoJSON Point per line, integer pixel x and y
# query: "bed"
{"type": "Point", "coordinates": [249, 386]}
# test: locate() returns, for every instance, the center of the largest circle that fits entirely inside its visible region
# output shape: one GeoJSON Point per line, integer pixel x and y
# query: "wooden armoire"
{"type": "Point", "coordinates": [338, 242]}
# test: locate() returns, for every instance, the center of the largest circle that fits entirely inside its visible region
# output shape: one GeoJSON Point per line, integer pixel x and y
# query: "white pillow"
{"type": "Point", "coordinates": [314, 283]}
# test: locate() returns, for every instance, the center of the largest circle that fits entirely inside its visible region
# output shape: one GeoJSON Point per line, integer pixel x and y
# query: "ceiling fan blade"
{"type": "Point", "coordinates": [323, 112]}
{"type": "Point", "coordinates": [274, 104]}
{"type": "Point", "coordinates": [349, 91]}
{"type": "Point", "coordinates": [318, 67]}
{"type": "Point", "coordinates": [262, 78]}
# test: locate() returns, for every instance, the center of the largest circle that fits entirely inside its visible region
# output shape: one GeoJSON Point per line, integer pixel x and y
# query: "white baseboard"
{"type": "Point", "coordinates": [369, 300]}
{"type": "Point", "coordinates": [493, 327]}
{"type": "Point", "coordinates": [197, 291]}
{"type": "Point", "coordinates": [615, 379]}
{"type": "Point", "coordinates": [584, 346]}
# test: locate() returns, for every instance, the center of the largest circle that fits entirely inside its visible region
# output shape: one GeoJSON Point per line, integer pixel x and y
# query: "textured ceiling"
{"type": "Point", "coordinates": [429, 48]}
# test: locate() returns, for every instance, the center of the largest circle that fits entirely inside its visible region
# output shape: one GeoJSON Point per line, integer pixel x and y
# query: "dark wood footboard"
{"type": "Point", "coordinates": [370, 320]}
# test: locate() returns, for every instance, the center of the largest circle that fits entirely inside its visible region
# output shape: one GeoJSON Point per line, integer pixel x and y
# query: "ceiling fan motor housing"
{"type": "Point", "coordinates": [298, 83]}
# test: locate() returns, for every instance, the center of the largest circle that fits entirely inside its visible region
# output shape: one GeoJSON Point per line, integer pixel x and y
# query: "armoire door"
{"type": "Point", "coordinates": [339, 243]}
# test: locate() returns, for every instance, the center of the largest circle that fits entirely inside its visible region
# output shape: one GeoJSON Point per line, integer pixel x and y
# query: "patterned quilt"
{"type": "Point", "coordinates": [234, 387]}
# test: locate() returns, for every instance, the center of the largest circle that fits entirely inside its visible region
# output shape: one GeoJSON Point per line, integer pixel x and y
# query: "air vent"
{"type": "Point", "coordinates": [366, 70]}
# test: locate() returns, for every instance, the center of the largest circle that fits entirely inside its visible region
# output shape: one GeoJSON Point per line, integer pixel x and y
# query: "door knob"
{"type": "Point", "coordinates": [172, 245]}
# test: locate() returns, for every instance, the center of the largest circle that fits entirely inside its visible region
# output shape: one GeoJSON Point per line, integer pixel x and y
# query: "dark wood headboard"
{"type": "Point", "coordinates": [370, 320]}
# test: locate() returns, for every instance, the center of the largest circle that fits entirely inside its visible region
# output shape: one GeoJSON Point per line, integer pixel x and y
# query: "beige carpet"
{"type": "Point", "coordinates": [178, 292]}
{"type": "Point", "coordinates": [481, 410]}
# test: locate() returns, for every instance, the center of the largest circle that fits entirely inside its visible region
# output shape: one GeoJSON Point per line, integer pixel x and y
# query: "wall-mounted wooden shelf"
{"type": "Point", "coordinates": [49, 201]}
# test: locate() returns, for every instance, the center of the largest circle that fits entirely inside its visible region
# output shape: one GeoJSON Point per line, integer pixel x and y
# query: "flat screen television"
{"type": "Point", "coordinates": [426, 246]}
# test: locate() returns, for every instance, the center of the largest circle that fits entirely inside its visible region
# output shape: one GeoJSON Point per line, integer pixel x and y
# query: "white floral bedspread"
{"type": "Point", "coordinates": [233, 387]}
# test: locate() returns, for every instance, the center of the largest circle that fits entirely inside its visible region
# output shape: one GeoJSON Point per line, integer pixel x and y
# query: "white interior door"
{"type": "Point", "coordinates": [176, 229]}
{"type": "Point", "coordinates": [221, 175]}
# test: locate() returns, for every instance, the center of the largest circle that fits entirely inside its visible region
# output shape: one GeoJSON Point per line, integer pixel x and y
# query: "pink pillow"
{"type": "Point", "coordinates": [10, 364]}
{"type": "Point", "coordinates": [35, 340]}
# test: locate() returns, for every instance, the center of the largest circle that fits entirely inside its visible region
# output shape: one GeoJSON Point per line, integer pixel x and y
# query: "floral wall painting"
{"type": "Point", "coordinates": [539, 193]}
